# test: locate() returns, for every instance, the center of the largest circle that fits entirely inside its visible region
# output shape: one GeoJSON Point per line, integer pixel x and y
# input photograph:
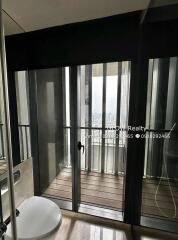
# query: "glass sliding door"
{"type": "Point", "coordinates": [160, 182]}
{"type": "Point", "coordinates": [53, 114]}
{"type": "Point", "coordinates": [103, 120]}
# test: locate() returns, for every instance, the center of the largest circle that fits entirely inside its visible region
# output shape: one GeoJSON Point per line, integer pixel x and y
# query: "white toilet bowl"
{"type": "Point", "coordinates": [38, 218]}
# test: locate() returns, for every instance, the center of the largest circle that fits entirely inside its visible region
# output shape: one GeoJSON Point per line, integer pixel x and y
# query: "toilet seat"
{"type": "Point", "coordinates": [38, 218]}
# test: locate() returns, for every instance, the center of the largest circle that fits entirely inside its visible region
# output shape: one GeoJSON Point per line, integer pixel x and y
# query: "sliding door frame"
{"type": "Point", "coordinates": [74, 133]}
{"type": "Point", "coordinates": [136, 146]}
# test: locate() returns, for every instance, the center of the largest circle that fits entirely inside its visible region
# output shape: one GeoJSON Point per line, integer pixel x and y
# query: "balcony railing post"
{"type": "Point", "coordinates": [88, 76]}
{"type": "Point", "coordinates": [103, 118]}
{"type": "Point", "coordinates": [118, 117]}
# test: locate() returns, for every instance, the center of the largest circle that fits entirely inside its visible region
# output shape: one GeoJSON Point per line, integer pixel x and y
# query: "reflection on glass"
{"type": "Point", "coordinates": [22, 96]}
{"type": "Point", "coordinates": [160, 183]}
{"type": "Point", "coordinates": [53, 97]}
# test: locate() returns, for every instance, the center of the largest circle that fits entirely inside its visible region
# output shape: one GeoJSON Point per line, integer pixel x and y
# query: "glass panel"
{"type": "Point", "coordinates": [97, 94]}
{"type": "Point", "coordinates": [104, 98]}
{"type": "Point", "coordinates": [160, 182]}
{"type": "Point", "coordinates": [54, 128]}
{"type": "Point", "coordinates": [111, 115]}
{"type": "Point", "coordinates": [111, 94]}
{"type": "Point", "coordinates": [22, 96]}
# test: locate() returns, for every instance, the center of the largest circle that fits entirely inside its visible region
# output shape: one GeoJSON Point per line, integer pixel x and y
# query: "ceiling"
{"type": "Point", "coordinates": [29, 15]}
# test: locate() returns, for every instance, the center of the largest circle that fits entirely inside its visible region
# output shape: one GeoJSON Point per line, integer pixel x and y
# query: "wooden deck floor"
{"type": "Point", "coordinates": [107, 191]}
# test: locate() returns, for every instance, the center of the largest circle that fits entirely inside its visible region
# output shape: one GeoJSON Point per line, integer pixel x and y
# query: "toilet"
{"type": "Point", "coordinates": [39, 217]}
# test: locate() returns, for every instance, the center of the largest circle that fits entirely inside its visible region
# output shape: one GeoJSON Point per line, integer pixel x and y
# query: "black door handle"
{"type": "Point", "coordinates": [80, 146]}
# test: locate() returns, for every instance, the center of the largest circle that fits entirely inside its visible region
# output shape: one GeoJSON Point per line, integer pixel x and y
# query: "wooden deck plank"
{"type": "Point", "coordinates": [88, 187]}
{"type": "Point", "coordinates": [57, 193]}
{"type": "Point", "coordinates": [103, 202]}
{"type": "Point", "coordinates": [106, 175]}
{"type": "Point", "coordinates": [101, 194]}
{"type": "Point", "coordinates": [162, 204]}
{"type": "Point", "coordinates": [154, 211]}
{"type": "Point", "coordinates": [93, 178]}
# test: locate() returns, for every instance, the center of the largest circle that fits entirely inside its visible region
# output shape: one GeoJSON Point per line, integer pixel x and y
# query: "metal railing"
{"type": "Point", "coordinates": [91, 160]}
{"type": "Point", "coordinates": [114, 152]}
